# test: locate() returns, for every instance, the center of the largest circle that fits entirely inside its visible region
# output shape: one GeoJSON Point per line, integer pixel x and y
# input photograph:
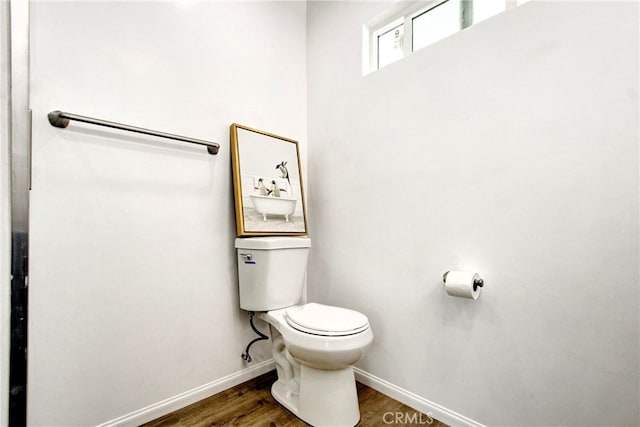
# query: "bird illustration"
{"type": "Point", "coordinates": [274, 189]}
{"type": "Point", "coordinates": [284, 173]}
{"type": "Point", "coordinates": [261, 188]}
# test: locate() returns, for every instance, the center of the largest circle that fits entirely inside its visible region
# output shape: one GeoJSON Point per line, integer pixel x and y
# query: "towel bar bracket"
{"type": "Point", "coordinates": [56, 120]}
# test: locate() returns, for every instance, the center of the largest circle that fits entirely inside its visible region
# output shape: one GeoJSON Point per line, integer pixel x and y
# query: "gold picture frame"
{"type": "Point", "coordinates": [267, 184]}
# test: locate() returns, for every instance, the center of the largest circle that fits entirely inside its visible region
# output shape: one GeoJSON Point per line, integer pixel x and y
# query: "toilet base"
{"type": "Point", "coordinates": [325, 398]}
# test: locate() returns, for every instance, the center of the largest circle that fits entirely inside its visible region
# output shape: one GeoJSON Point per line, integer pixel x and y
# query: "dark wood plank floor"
{"type": "Point", "coordinates": [251, 404]}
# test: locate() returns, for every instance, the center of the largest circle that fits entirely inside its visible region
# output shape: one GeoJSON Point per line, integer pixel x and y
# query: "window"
{"type": "Point", "coordinates": [398, 34]}
{"type": "Point", "coordinates": [436, 23]}
{"type": "Point", "coordinates": [390, 45]}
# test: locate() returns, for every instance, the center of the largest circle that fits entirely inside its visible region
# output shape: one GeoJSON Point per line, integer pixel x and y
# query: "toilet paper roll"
{"type": "Point", "coordinates": [460, 284]}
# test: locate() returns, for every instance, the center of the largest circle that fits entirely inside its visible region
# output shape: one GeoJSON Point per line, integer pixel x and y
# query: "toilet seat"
{"type": "Point", "coordinates": [326, 320]}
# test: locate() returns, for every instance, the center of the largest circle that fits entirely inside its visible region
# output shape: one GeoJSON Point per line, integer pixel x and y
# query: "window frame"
{"type": "Point", "coordinates": [405, 18]}
{"type": "Point", "coordinates": [376, 32]}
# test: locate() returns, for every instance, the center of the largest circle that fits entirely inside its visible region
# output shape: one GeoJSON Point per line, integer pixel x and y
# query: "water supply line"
{"type": "Point", "coordinates": [245, 356]}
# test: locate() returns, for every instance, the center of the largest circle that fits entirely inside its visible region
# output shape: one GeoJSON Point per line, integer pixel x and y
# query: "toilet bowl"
{"type": "Point", "coordinates": [314, 346]}
{"type": "Point", "coordinates": [315, 372]}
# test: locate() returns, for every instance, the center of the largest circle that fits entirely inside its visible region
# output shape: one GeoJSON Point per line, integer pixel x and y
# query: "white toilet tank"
{"type": "Point", "coordinates": [271, 271]}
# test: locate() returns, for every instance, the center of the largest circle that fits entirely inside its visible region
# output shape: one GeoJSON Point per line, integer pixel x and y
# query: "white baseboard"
{"type": "Point", "coordinates": [181, 400]}
{"type": "Point", "coordinates": [416, 402]}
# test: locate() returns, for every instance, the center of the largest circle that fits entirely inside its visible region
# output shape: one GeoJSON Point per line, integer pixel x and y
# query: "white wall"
{"type": "Point", "coordinates": [510, 148]}
{"type": "Point", "coordinates": [133, 291]}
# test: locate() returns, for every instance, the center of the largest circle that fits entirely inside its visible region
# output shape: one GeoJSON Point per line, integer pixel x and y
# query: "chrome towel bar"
{"type": "Point", "coordinates": [61, 119]}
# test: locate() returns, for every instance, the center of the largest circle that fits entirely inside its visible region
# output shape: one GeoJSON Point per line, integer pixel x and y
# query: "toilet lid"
{"type": "Point", "coordinates": [326, 320]}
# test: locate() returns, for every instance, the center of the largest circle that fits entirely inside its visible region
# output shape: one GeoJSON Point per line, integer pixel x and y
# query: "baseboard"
{"type": "Point", "coordinates": [414, 401]}
{"type": "Point", "coordinates": [181, 400]}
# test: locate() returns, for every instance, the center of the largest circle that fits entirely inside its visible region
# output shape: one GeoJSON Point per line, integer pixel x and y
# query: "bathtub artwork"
{"type": "Point", "coordinates": [267, 182]}
{"type": "Point", "coordinates": [273, 200]}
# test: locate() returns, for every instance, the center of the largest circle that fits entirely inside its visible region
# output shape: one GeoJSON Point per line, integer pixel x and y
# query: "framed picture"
{"type": "Point", "coordinates": [267, 184]}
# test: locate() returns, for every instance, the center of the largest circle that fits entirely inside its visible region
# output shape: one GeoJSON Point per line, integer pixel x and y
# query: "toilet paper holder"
{"type": "Point", "coordinates": [477, 283]}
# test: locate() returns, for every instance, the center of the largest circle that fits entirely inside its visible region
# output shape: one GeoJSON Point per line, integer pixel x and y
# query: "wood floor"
{"type": "Point", "coordinates": [251, 404]}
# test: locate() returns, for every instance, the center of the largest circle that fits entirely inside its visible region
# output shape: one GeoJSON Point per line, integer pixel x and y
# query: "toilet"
{"type": "Point", "coordinates": [314, 345]}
